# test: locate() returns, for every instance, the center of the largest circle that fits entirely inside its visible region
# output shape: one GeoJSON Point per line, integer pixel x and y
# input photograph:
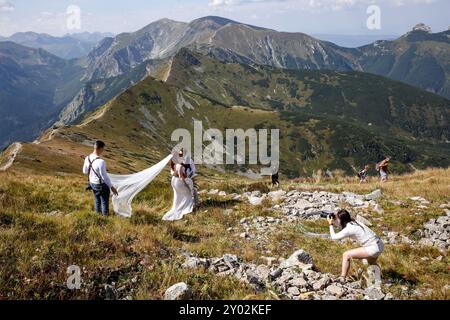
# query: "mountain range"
{"type": "Point", "coordinates": [322, 116]}
{"type": "Point", "coordinates": [292, 74]}
{"type": "Point", "coordinates": [419, 58]}
{"type": "Point", "coordinates": [69, 46]}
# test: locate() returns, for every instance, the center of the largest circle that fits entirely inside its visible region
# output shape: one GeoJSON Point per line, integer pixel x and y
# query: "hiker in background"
{"type": "Point", "coordinates": [362, 175]}
{"type": "Point", "coordinates": [371, 245]}
{"type": "Point", "coordinates": [275, 180]}
{"type": "Point", "coordinates": [382, 168]}
{"type": "Point", "coordinates": [98, 179]}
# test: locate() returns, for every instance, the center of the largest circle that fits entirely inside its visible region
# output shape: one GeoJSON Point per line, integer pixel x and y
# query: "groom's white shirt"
{"type": "Point", "coordinates": [100, 167]}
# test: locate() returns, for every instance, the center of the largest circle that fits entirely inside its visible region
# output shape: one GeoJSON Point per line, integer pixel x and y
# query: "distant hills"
{"type": "Point", "coordinates": [353, 41]}
{"type": "Point", "coordinates": [70, 46]}
{"type": "Point", "coordinates": [35, 85]}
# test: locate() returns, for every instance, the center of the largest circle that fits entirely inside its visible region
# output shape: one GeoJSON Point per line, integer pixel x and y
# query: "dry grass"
{"type": "Point", "coordinates": [46, 225]}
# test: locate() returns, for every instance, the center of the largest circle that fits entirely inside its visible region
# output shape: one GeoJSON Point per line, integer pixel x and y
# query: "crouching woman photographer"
{"type": "Point", "coordinates": [371, 244]}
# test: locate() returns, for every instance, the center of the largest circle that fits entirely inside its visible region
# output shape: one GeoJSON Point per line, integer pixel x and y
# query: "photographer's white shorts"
{"type": "Point", "coordinates": [375, 249]}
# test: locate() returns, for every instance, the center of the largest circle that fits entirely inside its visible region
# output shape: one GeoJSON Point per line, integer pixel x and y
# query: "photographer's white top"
{"type": "Point", "coordinates": [355, 231]}
{"type": "Point", "coordinates": [99, 166]}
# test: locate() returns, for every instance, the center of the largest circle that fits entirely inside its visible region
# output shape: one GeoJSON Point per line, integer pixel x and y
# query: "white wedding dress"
{"type": "Point", "coordinates": [183, 203]}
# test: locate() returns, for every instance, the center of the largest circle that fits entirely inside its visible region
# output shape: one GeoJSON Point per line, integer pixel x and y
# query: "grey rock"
{"type": "Point", "coordinates": [293, 291]}
{"type": "Point", "coordinates": [363, 220]}
{"type": "Point", "coordinates": [275, 273]}
{"type": "Point", "coordinates": [335, 290]}
{"type": "Point", "coordinates": [179, 291]}
{"type": "Point", "coordinates": [299, 258]}
{"type": "Point", "coordinates": [299, 282]}
{"type": "Point", "coordinates": [321, 283]}
{"type": "Point", "coordinates": [375, 195]}
{"type": "Point", "coordinates": [373, 293]}
{"type": "Point", "coordinates": [195, 263]}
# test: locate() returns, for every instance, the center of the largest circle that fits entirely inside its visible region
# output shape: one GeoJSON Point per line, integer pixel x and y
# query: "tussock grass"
{"type": "Point", "coordinates": [47, 225]}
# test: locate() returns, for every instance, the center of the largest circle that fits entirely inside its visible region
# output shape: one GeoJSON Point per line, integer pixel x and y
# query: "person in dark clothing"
{"type": "Point", "coordinates": [275, 179]}
{"type": "Point", "coordinates": [362, 175]}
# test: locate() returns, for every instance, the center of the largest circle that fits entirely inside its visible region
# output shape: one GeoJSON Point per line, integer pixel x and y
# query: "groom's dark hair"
{"type": "Point", "coordinates": [99, 144]}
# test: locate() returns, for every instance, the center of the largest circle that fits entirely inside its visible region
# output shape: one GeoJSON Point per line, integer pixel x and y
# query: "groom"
{"type": "Point", "coordinates": [99, 181]}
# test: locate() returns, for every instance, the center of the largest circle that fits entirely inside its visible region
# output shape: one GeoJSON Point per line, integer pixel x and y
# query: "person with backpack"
{"type": "Point", "coordinates": [98, 180]}
{"type": "Point", "coordinates": [382, 168]}
{"type": "Point", "coordinates": [362, 175]}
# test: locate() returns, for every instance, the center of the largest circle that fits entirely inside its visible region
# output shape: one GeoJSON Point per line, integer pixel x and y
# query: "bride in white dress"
{"type": "Point", "coordinates": [183, 203]}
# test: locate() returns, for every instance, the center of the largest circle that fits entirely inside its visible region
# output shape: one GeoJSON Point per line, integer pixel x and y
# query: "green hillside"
{"type": "Point", "coordinates": [138, 124]}
{"type": "Point", "coordinates": [369, 100]}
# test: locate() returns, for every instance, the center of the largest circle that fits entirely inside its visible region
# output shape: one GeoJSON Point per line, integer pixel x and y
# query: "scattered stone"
{"type": "Point", "coordinates": [375, 195]}
{"type": "Point", "coordinates": [256, 201]}
{"type": "Point", "coordinates": [277, 195]}
{"type": "Point", "coordinates": [269, 260]}
{"type": "Point", "coordinates": [321, 283]}
{"type": "Point", "coordinates": [373, 293]}
{"type": "Point", "coordinates": [293, 291]}
{"type": "Point", "coordinates": [436, 233]}
{"type": "Point", "coordinates": [243, 235]}
{"type": "Point", "coordinates": [377, 208]}
{"type": "Point", "coordinates": [363, 220]}
{"type": "Point", "coordinates": [422, 201]}
{"type": "Point", "coordinates": [290, 281]}
{"type": "Point", "coordinates": [335, 290]}
{"type": "Point", "coordinates": [179, 291]}
{"type": "Point", "coordinates": [299, 258]}
{"type": "Point", "coordinates": [195, 263]}
{"type": "Point", "coordinates": [275, 273]}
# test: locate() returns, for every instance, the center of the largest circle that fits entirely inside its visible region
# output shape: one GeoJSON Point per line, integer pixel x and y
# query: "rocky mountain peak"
{"type": "Point", "coordinates": [422, 27]}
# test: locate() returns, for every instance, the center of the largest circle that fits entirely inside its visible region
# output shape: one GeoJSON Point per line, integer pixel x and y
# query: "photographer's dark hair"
{"type": "Point", "coordinates": [344, 218]}
{"type": "Point", "coordinates": [99, 144]}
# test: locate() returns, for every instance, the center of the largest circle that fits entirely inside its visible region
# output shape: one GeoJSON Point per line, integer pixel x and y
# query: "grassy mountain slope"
{"type": "Point", "coordinates": [353, 96]}
{"type": "Point", "coordinates": [138, 124]}
{"type": "Point", "coordinates": [419, 58]}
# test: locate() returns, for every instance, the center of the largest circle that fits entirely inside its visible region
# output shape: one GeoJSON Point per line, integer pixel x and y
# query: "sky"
{"type": "Point", "coordinates": [349, 17]}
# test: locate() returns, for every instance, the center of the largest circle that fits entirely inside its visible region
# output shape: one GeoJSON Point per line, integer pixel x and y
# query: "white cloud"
{"type": "Point", "coordinates": [6, 6]}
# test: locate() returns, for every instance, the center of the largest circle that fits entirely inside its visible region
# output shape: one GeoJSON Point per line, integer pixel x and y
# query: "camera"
{"type": "Point", "coordinates": [325, 215]}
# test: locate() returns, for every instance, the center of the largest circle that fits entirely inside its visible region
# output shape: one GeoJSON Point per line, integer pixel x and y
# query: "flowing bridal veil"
{"type": "Point", "coordinates": [128, 186]}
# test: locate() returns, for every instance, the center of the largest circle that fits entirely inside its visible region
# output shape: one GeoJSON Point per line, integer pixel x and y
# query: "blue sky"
{"type": "Point", "coordinates": [309, 16]}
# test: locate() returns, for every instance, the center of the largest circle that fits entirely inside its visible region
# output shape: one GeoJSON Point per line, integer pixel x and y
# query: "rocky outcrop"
{"type": "Point", "coordinates": [436, 232]}
{"type": "Point", "coordinates": [293, 278]}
